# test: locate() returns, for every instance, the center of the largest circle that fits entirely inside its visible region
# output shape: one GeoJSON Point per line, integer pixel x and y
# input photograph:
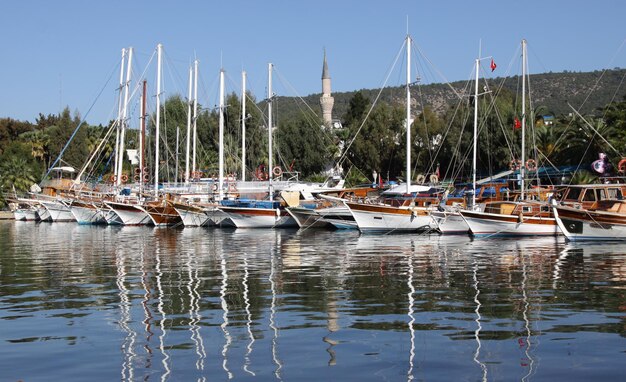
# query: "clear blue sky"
{"type": "Point", "coordinates": [61, 53]}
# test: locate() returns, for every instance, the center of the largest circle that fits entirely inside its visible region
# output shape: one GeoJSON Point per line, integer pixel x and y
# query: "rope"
{"type": "Point", "coordinates": [78, 127]}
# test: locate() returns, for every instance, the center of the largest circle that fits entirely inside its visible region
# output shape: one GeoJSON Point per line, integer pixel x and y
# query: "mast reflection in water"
{"type": "Point", "coordinates": [136, 303]}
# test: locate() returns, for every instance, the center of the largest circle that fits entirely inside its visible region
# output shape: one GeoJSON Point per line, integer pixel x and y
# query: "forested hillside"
{"type": "Point", "coordinates": [586, 91]}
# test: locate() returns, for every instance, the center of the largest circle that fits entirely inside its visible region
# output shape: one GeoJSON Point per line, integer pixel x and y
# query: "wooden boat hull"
{"type": "Point", "coordinates": [162, 215]}
{"type": "Point", "coordinates": [584, 225]}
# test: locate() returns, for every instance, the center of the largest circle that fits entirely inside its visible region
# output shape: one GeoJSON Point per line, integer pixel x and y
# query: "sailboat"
{"type": "Point", "coordinates": [398, 210]}
{"type": "Point", "coordinates": [528, 214]}
{"type": "Point", "coordinates": [245, 213]}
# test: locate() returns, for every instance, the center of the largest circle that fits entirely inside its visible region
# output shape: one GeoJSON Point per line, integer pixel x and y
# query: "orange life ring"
{"type": "Point", "coordinates": [277, 171]}
{"type": "Point", "coordinates": [124, 178]}
{"type": "Point", "coordinates": [112, 179]}
{"type": "Point", "coordinates": [515, 164]}
{"type": "Point", "coordinates": [137, 171]}
{"type": "Point", "coordinates": [621, 167]}
{"type": "Point", "coordinates": [531, 165]}
{"type": "Point", "coordinates": [137, 178]}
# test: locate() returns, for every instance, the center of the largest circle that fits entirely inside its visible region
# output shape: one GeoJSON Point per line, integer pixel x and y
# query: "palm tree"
{"type": "Point", "coordinates": [38, 141]}
{"type": "Point", "coordinates": [15, 173]}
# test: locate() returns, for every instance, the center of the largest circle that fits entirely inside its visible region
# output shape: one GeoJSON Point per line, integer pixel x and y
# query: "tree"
{"type": "Point", "coordinates": [16, 173]}
{"type": "Point", "coordinates": [305, 145]}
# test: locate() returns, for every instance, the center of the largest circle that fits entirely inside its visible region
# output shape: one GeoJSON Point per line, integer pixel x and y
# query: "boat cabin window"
{"type": "Point", "coordinates": [488, 192]}
{"type": "Point", "coordinates": [589, 196]}
{"type": "Point", "coordinates": [545, 208]}
{"type": "Point", "coordinates": [527, 209]}
{"type": "Point", "coordinates": [612, 194]}
{"type": "Point", "coordinates": [573, 194]}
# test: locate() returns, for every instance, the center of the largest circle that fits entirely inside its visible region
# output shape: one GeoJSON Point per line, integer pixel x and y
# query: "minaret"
{"type": "Point", "coordinates": [326, 101]}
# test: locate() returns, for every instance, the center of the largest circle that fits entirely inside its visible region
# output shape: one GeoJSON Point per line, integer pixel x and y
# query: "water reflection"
{"type": "Point", "coordinates": [135, 303]}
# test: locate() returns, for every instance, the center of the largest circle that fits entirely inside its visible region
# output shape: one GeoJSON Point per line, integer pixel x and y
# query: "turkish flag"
{"type": "Point", "coordinates": [493, 65]}
{"type": "Point", "coordinates": [517, 124]}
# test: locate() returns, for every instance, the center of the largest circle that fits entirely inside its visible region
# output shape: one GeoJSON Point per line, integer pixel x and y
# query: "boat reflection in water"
{"type": "Point", "coordinates": [136, 303]}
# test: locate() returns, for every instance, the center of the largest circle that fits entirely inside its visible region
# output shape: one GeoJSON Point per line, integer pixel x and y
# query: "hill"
{"type": "Point", "coordinates": [551, 90]}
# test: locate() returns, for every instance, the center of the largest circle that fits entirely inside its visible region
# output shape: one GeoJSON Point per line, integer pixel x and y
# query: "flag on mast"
{"type": "Point", "coordinates": [493, 65]}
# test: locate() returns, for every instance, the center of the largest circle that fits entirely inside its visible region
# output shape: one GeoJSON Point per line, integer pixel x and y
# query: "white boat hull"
{"type": "Point", "coordinates": [130, 214]}
{"type": "Point", "coordinates": [58, 211]}
{"type": "Point", "coordinates": [488, 224]}
{"type": "Point", "coordinates": [244, 217]}
{"type": "Point", "coordinates": [450, 223]}
{"type": "Point", "coordinates": [192, 218]}
{"type": "Point", "coordinates": [87, 215]}
{"type": "Point", "coordinates": [379, 218]}
{"type": "Point", "coordinates": [307, 217]}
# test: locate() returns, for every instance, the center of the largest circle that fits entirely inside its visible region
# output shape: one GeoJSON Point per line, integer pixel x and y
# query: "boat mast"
{"type": "Point", "coordinates": [195, 111]}
{"type": "Point", "coordinates": [269, 127]}
{"type": "Point", "coordinates": [142, 139]}
{"type": "Point", "coordinates": [522, 168]}
{"type": "Point", "coordinates": [189, 101]}
{"type": "Point", "coordinates": [475, 133]}
{"type": "Point", "coordinates": [408, 114]}
{"type": "Point", "coordinates": [158, 121]}
{"type": "Point", "coordinates": [123, 121]}
{"type": "Point", "coordinates": [119, 115]}
{"type": "Point", "coordinates": [243, 126]}
{"type": "Point", "coordinates": [221, 137]}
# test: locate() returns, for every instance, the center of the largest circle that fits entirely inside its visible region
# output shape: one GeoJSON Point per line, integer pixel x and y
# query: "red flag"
{"type": "Point", "coordinates": [517, 124]}
{"type": "Point", "coordinates": [493, 65]}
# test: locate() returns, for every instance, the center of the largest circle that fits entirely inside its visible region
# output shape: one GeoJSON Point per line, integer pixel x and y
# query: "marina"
{"type": "Point", "coordinates": [188, 198]}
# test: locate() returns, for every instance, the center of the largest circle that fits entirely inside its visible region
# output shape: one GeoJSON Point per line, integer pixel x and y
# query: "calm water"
{"type": "Point", "coordinates": [82, 303]}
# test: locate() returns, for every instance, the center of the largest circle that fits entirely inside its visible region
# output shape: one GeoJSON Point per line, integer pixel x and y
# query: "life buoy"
{"type": "Point", "coordinates": [124, 178]}
{"type": "Point", "coordinates": [112, 179]}
{"type": "Point", "coordinates": [137, 178]}
{"type": "Point", "coordinates": [434, 178]}
{"type": "Point", "coordinates": [599, 166]}
{"type": "Point", "coordinates": [621, 166]}
{"type": "Point", "coordinates": [420, 179]}
{"type": "Point", "coordinates": [146, 177]}
{"type": "Point", "coordinates": [531, 165]}
{"type": "Point", "coordinates": [515, 164]}
{"type": "Point", "coordinates": [137, 170]}
{"type": "Point", "coordinates": [277, 171]}
{"type": "Point", "coordinates": [214, 187]}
